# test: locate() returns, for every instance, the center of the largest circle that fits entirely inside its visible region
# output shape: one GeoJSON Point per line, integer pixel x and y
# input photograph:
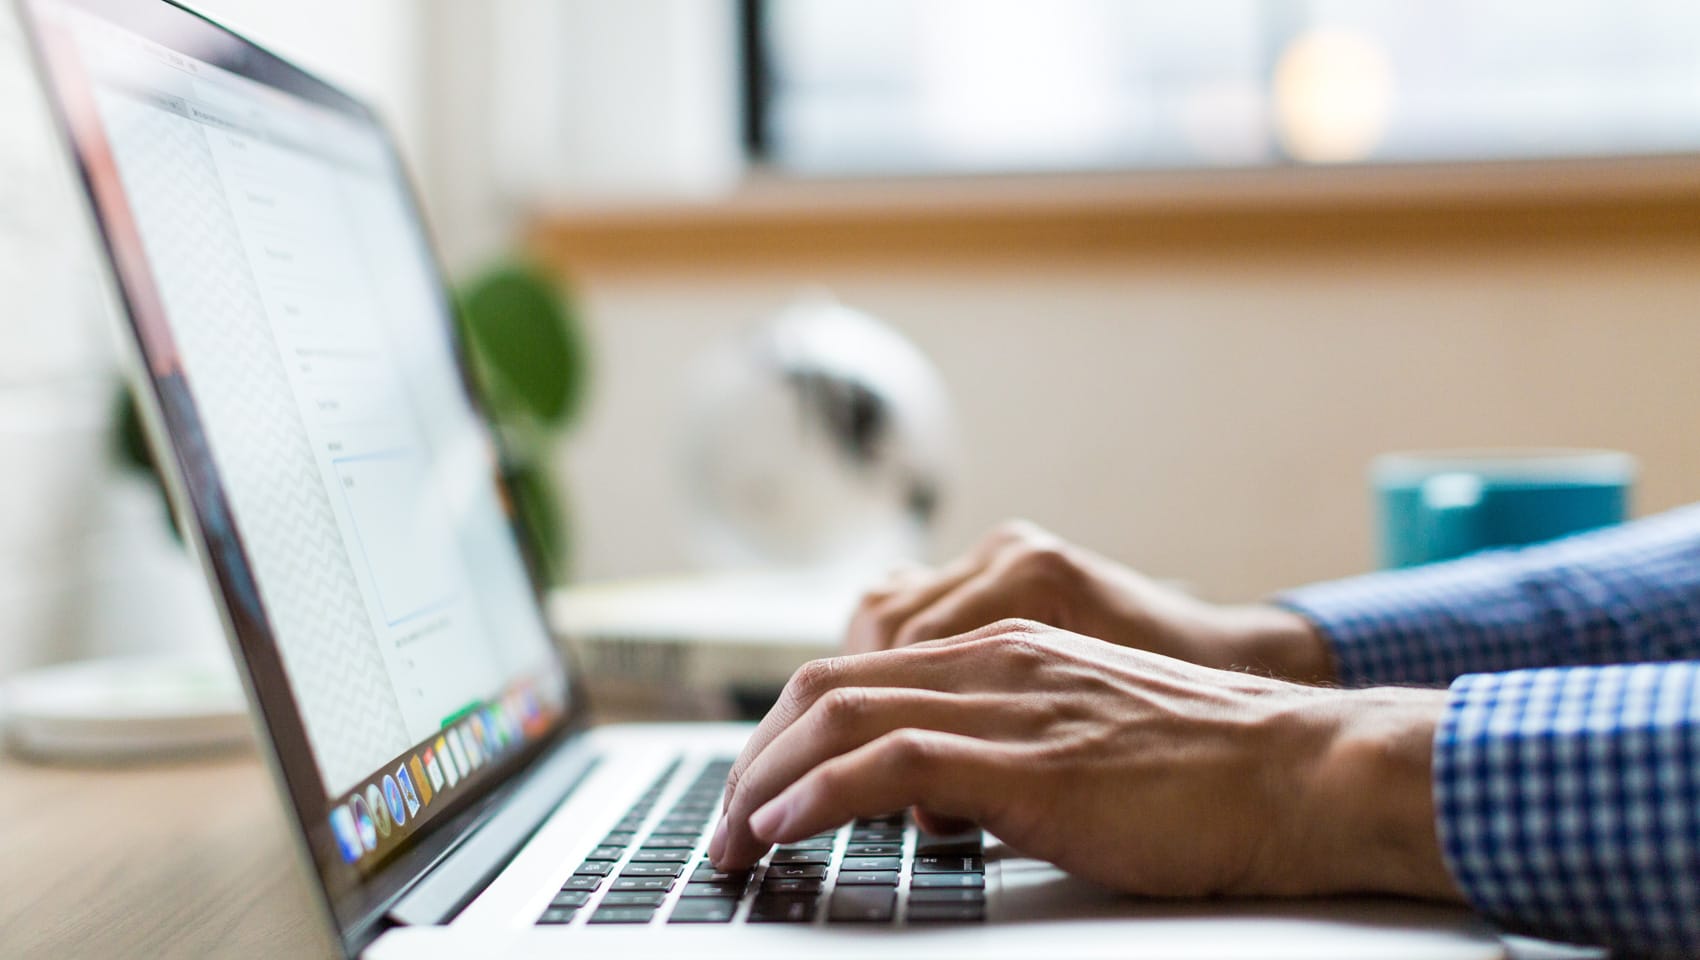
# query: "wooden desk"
{"type": "Point", "coordinates": [180, 860]}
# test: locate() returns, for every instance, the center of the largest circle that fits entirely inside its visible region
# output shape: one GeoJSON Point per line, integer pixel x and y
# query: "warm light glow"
{"type": "Point", "coordinates": [1333, 96]}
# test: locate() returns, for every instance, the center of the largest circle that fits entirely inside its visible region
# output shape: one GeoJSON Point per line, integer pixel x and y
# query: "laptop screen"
{"type": "Point", "coordinates": [295, 329]}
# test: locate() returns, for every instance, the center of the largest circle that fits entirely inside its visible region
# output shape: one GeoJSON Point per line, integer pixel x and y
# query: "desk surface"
{"type": "Point", "coordinates": [186, 860]}
{"type": "Point", "coordinates": [183, 860]}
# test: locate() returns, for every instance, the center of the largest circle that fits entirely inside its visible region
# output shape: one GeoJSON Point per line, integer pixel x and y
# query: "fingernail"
{"type": "Point", "coordinates": [765, 823]}
{"type": "Point", "coordinates": [717, 843]}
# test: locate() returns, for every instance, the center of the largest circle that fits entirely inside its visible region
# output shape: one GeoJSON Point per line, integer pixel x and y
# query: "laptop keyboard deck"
{"type": "Point", "coordinates": [879, 870]}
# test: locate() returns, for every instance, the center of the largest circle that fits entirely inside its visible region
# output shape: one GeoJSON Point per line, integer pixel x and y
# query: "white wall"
{"type": "Point", "coordinates": [373, 47]}
{"type": "Point", "coordinates": [1207, 417]}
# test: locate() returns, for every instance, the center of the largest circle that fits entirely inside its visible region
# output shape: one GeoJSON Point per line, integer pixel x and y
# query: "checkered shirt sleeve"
{"type": "Point", "coordinates": [1567, 793]}
{"type": "Point", "coordinates": [1626, 594]}
{"type": "Point", "coordinates": [1567, 802]}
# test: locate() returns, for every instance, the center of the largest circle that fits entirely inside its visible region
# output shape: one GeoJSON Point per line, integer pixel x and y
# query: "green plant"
{"type": "Point", "coordinates": [531, 368]}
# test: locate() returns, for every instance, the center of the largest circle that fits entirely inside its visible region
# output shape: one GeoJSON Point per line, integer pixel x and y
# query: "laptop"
{"type": "Point", "coordinates": [298, 364]}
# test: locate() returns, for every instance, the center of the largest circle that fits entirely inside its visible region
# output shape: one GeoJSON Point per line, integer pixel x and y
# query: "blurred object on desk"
{"type": "Point", "coordinates": [155, 706]}
{"type": "Point", "coordinates": [713, 646]}
{"type": "Point", "coordinates": [823, 439]}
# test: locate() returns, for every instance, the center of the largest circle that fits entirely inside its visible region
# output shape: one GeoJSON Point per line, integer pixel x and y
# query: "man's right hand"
{"type": "Point", "coordinates": [1022, 571]}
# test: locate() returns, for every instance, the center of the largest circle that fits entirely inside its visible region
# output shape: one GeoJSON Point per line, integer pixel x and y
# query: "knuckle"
{"type": "Point", "coordinates": [816, 677]}
{"type": "Point", "coordinates": [1026, 651]}
{"type": "Point", "coordinates": [1049, 562]}
{"type": "Point", "coordinates": [918, 630]}
{"type": "Point", "coordinates": [842, 706]}
{"type": "Point", "coordinates": [1013, 628]}
{"type": "Point", "coordinates": [1016, 529]}
{"type": "Point", "coordinates": [907, 750]}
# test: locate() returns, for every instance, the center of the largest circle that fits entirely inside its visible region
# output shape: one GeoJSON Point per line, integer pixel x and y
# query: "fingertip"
{"type": "Point", "coordinates": [717, 845]}
{"type": "Point", "coordinates": [768, 822]}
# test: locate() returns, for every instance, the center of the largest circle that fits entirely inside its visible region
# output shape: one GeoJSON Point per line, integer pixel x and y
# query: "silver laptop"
{"type": "Point", "coordinates": [297, 358]}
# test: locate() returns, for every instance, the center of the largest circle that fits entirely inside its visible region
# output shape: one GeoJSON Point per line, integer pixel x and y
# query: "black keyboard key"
{"type": "Point", "coordinates": [862, 905]}
{"type": "Point", "coordinates": [811, 843]}
{"type": "Point", "coordinates": [936, 864]}
{"type": "Point", "coordinates": [605, 853]}
{"type": "Point", "coordinates": [676, 824]}
{"type": "Point", "coordinates": [617, 914]}
{"type": "Point", "coordinates": [867, 878]}
{"type": "Point", "coordinates": [595, 868]}
{"type": "Point", "coordinates": [557, 915]}
{"type": "Point", "coordinates": [949, 844]}
{"type": "Point", "coordinates": [871, 863]}
{"type": "Point", "coordinates": [633, 898]}
{"type": "Point", "coordinates": [728, 888]}
{"type": "Point", "coordinates": [945, 880]}
{"type": "Point", "coordinates": [946, 895]}
{"type": "Point", "coordinates": [671, 841]}
{"type": "Point", "coordinates": [572, 899]}
{"type": "Point", "coordinates": [888, 849]}
{"type": "Point", "coordinates": [647, 855]}
{"type": "Point", "coordinates": [705, 873]}
{"type": "Point", "coordinates": [946, 912]}
{"type": "Point", "coordinates": [790, 885]}
{"type": "Point", "coordinates": [802, 856]}
{"type": "Point", "coordinates": [787, 908]}
{"type": "Point", "coordinates": [620, 838]}
{"type": "Point", "coordinates": [876, 835]}
{"type": "Point", "coordinates": [652, 870]}
{"type": "Point", "coordinates": [629, 823]}
{"type": "Point", "coordinates": [703, 911]}
{"type": "Point", "coordinates": [581, 881]}
{"type": "Point", "coordinates": [888, 819]}
{"type": "Point", "coordinates": [812, 870]}
{"type": "Point", "coordinates": [643, 883]}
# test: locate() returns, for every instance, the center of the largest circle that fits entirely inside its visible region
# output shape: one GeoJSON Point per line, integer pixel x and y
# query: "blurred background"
{"type": "Point", "coordinates": [1182, 269]}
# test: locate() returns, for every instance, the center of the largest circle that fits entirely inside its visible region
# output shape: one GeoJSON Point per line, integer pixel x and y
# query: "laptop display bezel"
{"type": "Point", "coordinates": [356, 903]}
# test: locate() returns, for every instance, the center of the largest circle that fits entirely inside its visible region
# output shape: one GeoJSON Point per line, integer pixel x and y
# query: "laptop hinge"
{"type": "Point", "coordinates": [439, 895]}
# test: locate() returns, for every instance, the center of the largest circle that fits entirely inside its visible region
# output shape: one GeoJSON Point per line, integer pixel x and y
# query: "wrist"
{"type": "Point", "coordinates": [1367, 819]}
{"type": "Point", "coordinates": [1280, 643]}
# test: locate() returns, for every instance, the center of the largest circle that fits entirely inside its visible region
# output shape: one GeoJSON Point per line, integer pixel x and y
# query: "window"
{"type": "Point", "coordinates": [866, 87]}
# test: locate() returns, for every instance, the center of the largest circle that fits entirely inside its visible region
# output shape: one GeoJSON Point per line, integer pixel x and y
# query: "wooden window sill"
{"type": "Point", "coordinates": [772, 221]}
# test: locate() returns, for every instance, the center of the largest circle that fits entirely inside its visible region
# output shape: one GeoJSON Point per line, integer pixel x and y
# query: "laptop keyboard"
{"type": "Point", "coordinates": [878, 870]}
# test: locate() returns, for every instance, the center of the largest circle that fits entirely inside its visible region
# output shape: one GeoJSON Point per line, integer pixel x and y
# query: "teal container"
{"type": "Point", "coordinates": [1445, 504]}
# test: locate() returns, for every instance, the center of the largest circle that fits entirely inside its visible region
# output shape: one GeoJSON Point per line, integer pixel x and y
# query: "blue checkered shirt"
{"type": "Point", "coordinates": [1567, 767]}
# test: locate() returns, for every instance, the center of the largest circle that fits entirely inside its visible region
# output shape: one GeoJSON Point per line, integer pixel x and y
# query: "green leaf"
{"type": "Point", "coordinates": [528, 342]}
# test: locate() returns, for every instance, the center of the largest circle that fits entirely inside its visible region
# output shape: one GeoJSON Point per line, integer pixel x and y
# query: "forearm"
{"type": "Point", "coordinates": [1621, 595]}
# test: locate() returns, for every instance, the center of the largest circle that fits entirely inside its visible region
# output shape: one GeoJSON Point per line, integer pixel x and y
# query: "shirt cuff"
{"type": "Point", "coordinates": [1428, 625]}
{"type": "Point", "coordinates": [1567, 802]}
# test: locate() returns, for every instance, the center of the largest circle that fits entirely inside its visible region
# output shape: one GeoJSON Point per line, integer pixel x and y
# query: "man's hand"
{"type": "Point", "coordinates": [1022, 571]}
{"type": "Point", "coordinates": [1141, 772]}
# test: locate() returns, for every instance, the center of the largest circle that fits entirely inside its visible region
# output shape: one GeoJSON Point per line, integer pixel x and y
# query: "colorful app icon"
{"type": "Point", "coordinates": [470, 742]}
{"type": "Point", "coordinates": [420, 780]}
{"type": "Point", "coordinates": [433, 770]}
{"type": "Point", "coordinates": [446, 757]}
{"type": "Point", "coordinates": [363, 822]}
{"type": "Point", "coordinates": [480, 736]}
{"type": "Point", "coordinates": [409, 792]}
{"type": "Point", "coordinates": [531, 718]}
{"type": "Point", "coordinates": [347, 836]}
{"type": "Point", "coordinates": [458, 751]}
{"type": "Point", "coordinates": [510, 720]}
{"type": "Point", "coordinates": [380, 809]}
{"type": "Point", "coordinates": [393, 800]}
